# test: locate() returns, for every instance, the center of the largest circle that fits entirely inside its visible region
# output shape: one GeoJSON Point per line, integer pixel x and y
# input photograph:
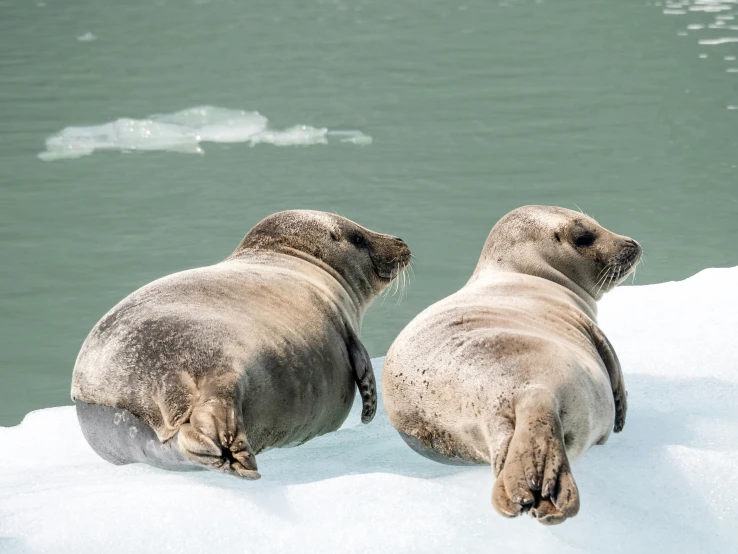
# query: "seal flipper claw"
{"type": "Point", "coordinates": [364, 376]}
{"type": "Point", "coordinates": [502, 502]}
{"type": "Point", "coordinates": [547, 513]}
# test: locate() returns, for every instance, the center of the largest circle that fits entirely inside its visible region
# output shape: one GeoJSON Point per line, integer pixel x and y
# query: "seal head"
{"type": "Point", "coordinates": [566, 247]}
{"type": "Point", "coordinates": [364, 261]}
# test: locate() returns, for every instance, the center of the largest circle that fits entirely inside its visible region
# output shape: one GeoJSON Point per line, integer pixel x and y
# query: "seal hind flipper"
{"type": "Point", "coordinates": [215, 438]}
{"type": "Point", "coordinates": [119, 437]}
{"type": "Point", "coordinates": [364, 377]}
{"type": "Point", "coordinates": [536, 467]}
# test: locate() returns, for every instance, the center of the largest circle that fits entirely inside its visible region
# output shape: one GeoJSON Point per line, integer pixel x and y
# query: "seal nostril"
{"type": "Point", "coordinates": [398, 239]}
{"type": "Point", "coordinates": [633, 244]}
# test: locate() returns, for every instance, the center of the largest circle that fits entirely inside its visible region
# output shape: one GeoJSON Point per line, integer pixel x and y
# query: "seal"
{"type": "Point", "coordinates": [512, 370]}
{"type": "Point", "coordinates": [208, 367]}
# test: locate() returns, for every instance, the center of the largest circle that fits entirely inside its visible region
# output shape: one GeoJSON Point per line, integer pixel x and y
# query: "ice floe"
{"type": "Point", "coordinates": [667, 483]}
{"type": "Point", "coordinates": [184, 131]}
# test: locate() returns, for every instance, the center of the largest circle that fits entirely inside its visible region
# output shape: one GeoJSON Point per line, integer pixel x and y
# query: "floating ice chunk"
{"type": "Point", "coordinates": [354, 137]}
{"type": "Point", "coordinates": [123, 134]}
{"type": "Point", "coordinates": [183, 131]}
{"type": "Point", "coordinates": [363, 140]}
{"type": "Point", "coordinates": [710, 8]}
{"type": "Point", "coordinates": [299, 135]}
{"type": "Point", "coordinates": [212, 124]}
{"type": "Point", "coordinates": [723, 40]}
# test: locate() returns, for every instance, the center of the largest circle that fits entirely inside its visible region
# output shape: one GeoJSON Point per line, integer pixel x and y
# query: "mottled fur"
{"type": "Point", "coordinates": [261, 350]}
{"type": "Point", "coordinates": [512, 370]}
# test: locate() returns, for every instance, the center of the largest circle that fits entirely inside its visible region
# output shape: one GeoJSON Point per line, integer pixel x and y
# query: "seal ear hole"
{"type": "Point", "coordinates": [558, 238]}
{"type": "Point", "coordinates": [334, 236]}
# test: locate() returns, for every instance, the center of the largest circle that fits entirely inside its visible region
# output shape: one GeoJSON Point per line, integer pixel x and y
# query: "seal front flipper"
{"type": "Point", "coordinates": [610, 359]}
{"type": "Point", "coordinates": [364, 376]}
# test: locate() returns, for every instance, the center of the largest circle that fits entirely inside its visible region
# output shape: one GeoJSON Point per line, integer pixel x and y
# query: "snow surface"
{"type": "Point", "coordinates": [668, 483]}
{"type": "Point", "coordinates": [183, 132]}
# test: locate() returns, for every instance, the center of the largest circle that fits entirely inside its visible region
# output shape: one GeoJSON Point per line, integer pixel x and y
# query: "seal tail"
{"type": "Point", "coordinates": [119, 437]}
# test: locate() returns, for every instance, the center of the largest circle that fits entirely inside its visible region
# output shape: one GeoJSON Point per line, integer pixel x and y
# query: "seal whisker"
{"type": "Point", "coordinates": [384, 295]}
{"type": "Point", "coordinates": [603, 278]}
{"type": "Point", "coordinates": [393, 284]}
{"type": "Point", "coordinates": [403, 291]}
{"type": "Point", "coordinates": [600, 275]}
{"type": "Point", "coordinates": [603, 271]}
{"type": "Point", "coordinates": [397, 280]}
{"type": "Point", "coordinates": [400, 287]}
{"type": "Point", "coordinates": [600, 287]}
{"type": "Point", "coordinates": [581, 211]}
{"type": "Point", "coordinates": [405, 281]}
{"type": "Point", "coordinates": [398, 291]}
{"type": "Point", "coordinates": [410, 267]}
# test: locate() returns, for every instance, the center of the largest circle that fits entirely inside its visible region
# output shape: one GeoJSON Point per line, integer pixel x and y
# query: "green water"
{"type": "Point", "coordinates": [475, 108]}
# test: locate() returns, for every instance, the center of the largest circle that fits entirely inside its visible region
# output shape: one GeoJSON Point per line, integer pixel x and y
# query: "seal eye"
{"type": "Point", "coordinates": [359, 241]}
{"type": "Point", "coordinates": [584, 240]}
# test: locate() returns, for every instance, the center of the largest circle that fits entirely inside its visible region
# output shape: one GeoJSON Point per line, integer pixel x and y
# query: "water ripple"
{"type": "Point", "coordinates": [720, 11]}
